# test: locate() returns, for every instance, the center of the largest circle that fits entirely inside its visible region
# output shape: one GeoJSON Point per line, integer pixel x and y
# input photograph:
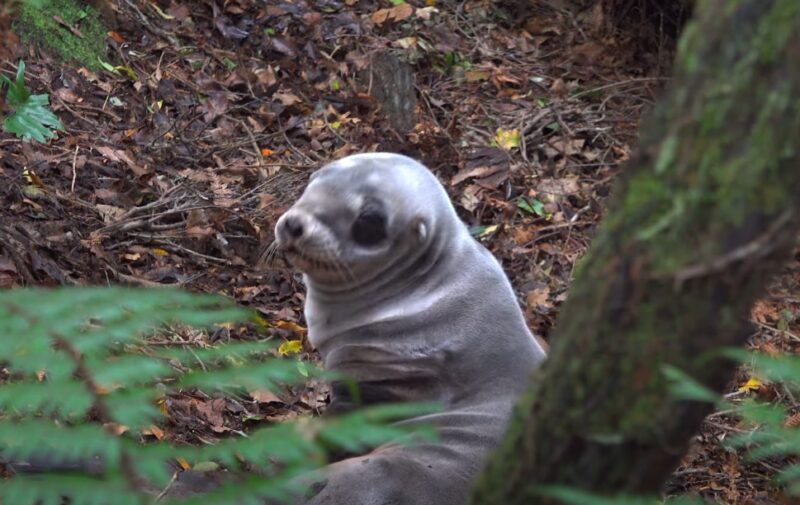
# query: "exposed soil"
{"type": "Point", "coordinates": [173, 170]}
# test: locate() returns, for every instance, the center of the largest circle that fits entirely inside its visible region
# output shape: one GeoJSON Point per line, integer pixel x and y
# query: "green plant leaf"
{"type": "Point", "coordinates": [531, 206]}
{"type": "Point", "coordinates": [31, 119]}
{"type": "Point", "coordinates": [686, 388]}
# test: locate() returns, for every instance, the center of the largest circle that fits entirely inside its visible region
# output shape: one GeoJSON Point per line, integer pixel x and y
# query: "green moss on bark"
{"type": "Point", "coordinates": [37, 24]}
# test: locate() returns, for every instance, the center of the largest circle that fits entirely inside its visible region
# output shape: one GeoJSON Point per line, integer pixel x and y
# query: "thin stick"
{"type": "Point", "coordinates": [74, 173]}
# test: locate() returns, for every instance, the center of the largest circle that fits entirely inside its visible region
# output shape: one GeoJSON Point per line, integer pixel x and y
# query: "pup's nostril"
{"type": "Point", "coordinates": [293, 227]}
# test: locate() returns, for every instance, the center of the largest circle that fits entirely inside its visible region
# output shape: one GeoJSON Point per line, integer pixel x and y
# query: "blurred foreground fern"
{"type": "Point", "coordinates": [77, 385]}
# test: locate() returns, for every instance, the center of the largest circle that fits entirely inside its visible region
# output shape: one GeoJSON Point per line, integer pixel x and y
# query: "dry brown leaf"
{"type": "Point", "coordinates": [550, 190]}
{"type": "Point", "coordinates": [426, 12]}
{"type": "Point", "coordinates": [568, 147]}
{"type": "Point", "coordinates": [469, 198]}
{"type": "Point", "coordinates": [483, 171]}
{"type": "Point", "coordinates": [591, 51]}
{"type": "Point", "coordinates": [120, 155]}
{"type": "Point", "coordinates": [154, 431]}
{"type": "Point", "coordinates": [287, 99]}
{"type": "Point", "coordinates": [264, 396]}
{"type": "Point", "coordinates": [476, 75]}
{"type": "Point", "coordinates": [116, 428]}
{"type": "Point", "coordinates": [523, 234]}
{"type": "Point", "coordinates": [792, 421]}
{"type": "Point", "coordinates": [291, 326]}
{"type": "Point", "coordinates": [67, 95]}
{"type": "Point", "coordinates": [539, 297]}
{"type": "Point", "coordinates": [265, 200]}
{"type": "Point", "coordinates": [212, 411]}
{"type": "Point", "coordinates": [397, 13]}
{"type": "Point", "coordinates": [199, 231]}
{"type": "Point", "coordinates": [266, 76]}
{"type": "Point", "coordinates": [109, 213]}
{"type": "Point", "coordinates": [764, 312]}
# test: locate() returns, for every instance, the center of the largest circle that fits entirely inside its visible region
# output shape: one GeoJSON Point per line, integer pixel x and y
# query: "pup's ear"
{"type": "Point", "coordinates": [420, 229]}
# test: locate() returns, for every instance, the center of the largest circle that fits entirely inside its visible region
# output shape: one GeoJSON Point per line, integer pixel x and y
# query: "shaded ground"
{"type": "Point", "coordinates": [174, 170]}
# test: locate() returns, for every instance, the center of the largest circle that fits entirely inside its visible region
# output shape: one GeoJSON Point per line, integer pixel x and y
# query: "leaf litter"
{"type": "Point", "coordinates": [178, 156]}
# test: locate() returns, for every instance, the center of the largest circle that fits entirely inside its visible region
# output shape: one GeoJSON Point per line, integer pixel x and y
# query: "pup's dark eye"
{"type": "Point", "coordinates": [369, 227]}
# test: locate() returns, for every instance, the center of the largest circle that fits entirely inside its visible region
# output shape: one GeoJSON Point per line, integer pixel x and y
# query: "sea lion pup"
{"type": "Point", "coordinates": [402, 299]}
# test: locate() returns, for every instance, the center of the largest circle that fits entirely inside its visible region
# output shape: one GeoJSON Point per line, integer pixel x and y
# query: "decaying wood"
{"type": "Point", "coordinates": [391, 82]}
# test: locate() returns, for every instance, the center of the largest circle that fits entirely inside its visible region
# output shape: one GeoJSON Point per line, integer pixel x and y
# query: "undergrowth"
{"type": "Point", "coordinates": [47, 23]}
{"type": "Point", "coordinates": [80, 384]}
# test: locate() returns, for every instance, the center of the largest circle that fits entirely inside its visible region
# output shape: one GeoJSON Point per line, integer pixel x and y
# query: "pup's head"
{"type": "Point", "coordinates": [361, 215]}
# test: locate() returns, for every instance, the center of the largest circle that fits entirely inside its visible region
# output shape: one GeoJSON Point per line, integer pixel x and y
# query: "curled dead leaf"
{"type": "Point", "coordinates": [109, 213]}
{"type": "Point", "coordinates": [392, 14]}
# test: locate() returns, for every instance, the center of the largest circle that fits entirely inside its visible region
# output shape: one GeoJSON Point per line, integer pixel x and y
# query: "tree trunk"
{"type": "Point", "coordinates": [706, 211]}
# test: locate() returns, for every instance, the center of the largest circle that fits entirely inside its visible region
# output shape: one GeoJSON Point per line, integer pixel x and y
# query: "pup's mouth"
{"type": "Point", "coordinates": [305, 263]}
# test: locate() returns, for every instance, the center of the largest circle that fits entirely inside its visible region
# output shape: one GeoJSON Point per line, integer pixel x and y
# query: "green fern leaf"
{"type": "Point", "coordinates": [283, 442]}
{"type": "Point", "coordinates": [135, 409]}
{"type": "Point", "coordinates": [267, 374]}
{"type": "Point", "coordinates": [118, 371]}
{"type": "Point", "coordinates": [81, 490]}
{"type": "Point", "coordinates": [57, 443]}
{"type": "Point", "coordinates": [69, 399]}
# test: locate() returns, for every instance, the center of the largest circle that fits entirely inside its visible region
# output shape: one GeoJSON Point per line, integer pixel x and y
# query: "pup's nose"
{"type": "Point", "coordinates": [293, 226]}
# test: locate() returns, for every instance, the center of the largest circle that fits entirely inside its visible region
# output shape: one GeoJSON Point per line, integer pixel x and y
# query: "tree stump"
{"type": "Point", "coordinates": [391, 81]}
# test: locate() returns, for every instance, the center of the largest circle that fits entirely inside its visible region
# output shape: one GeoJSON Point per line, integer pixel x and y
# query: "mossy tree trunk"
{"type": "Point", "coordinates": [706, 211]}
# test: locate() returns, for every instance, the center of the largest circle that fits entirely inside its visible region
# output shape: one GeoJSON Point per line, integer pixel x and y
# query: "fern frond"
{"type": "Point", "coordinates": [33, 355]}
{"type": "Point", "coordinates": [134, 408]}
{"type": "Point", "coordinates": [265, 374]}
{"type": "Point", "coordinates": [42, 438]}
{"type": "Point", "coordinates": [128, 370]}
{"type": "Point", "coordinates": [51, 489]}
{"type": "Point", "coordinates": [369, 427]}
{"type": "Point", "coordinates": [66, 399]}
{"type": "Point", "coordinates": [231, 352]}
{"type": "Point", "coordinates": [150, 460]}
{"type": "Point", "coordinates": [282, 442]}
{"type": "Point", "coordinates": [253, 491]}
{"type": "Point", "coordinates": [81, 338]}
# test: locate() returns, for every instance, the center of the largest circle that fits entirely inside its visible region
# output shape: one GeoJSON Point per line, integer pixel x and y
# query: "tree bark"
{"type": "Point", "coordinates": [704, 214]}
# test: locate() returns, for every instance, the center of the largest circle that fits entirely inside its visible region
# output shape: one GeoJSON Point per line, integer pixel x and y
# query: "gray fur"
{"type": "Point", "coordinates": [428, 315]}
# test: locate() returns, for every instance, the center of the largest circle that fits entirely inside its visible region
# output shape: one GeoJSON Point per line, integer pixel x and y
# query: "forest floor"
{"type": "Point", "coordinates": [174, 169]}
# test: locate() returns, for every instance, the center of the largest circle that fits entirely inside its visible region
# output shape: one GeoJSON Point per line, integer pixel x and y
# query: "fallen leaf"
{"type": "Point", "coordinates": [288, 325]}
{"type": "Point", "coordinates": [476, 75]}
{"type": "Point", "coordinates": [508, 139]}
{"type": "Point", "coordinates": [469, 198]}
{"type": "Point", "coordinates": [120, 155]}
{"type": "Point", "coordinates": [523, 234]}
{"type": "Point", "coordinates": [264, 396]}
{"type": "Point", "coordinates": [287, 99]}
{"type": "Point", "coordinates": [539, 297]}
{"type": "Point", "coordinates": [426, 12]}
{"type": "Point", "coordinates": [109, 213]}
{"type": "Point", "coordinates": [154, 431]}
{"type": "Point", "coordinates": [398, 13]}
{"type": "Point", "coordinates": [206, 466]}
{"type": "Point", "coordinates": [482, 171]}
{"type": "Point", "coordinates": [550, 190]}
{"type": "Point", "coordinates": [568, 147]}
{"type": "Point", "coordinates": [290, 347]}
{"type": "Point", "coordinates": [752, 384]}
{"type": "Point", "coordinates": [212, 411]}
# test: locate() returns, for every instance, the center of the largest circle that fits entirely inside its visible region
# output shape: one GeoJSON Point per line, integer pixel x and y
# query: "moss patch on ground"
{"type": "Point", "coordinates": [41, 25]}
